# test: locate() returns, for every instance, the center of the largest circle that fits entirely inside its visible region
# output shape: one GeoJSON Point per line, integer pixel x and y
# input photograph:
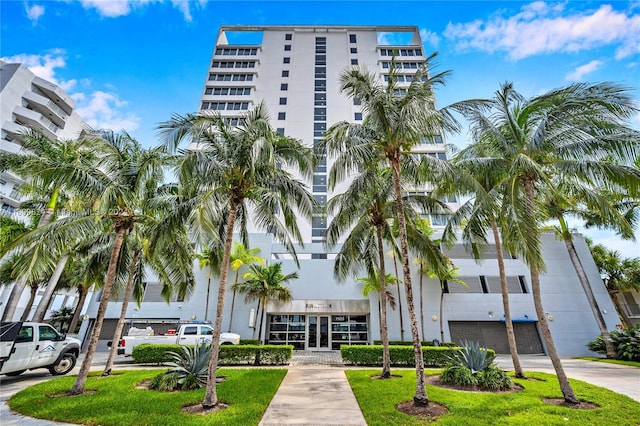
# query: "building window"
{"type": "Point", "coordinates": [280, 130]}
{"type": "Point", "coordinates": [285, 73]}
{"type": "Point", "coordinates": [352, 38]}
{"type": "Point", "coordinates": [284, 86]}
{"type": "Point", "coordinates": [286, 60]}
{"type": "Point", "coordinates": [354, 62]}
{"type": "Point", "coordinates": [354, 50]}
{"type": "Point", "coordinates": [287, 47]}
{"type": "Point", "coordinates": [357, 101]}
{"type": "Point", "coordinates": [282, 115]}
{"type": "Point", "coordinates": [288, 36]}
{"type": "Point", "coordinates": [283, 101]}
{"type": "Point", "coordinates": [357, 116]}
{"type": "Point", "coordinates": [523, 284]}
{"type": "Point", "coordinates": [320, 99]}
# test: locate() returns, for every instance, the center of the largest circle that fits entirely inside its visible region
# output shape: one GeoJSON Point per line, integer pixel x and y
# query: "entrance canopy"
{"type": "Point", "coordinates": [319, 306]}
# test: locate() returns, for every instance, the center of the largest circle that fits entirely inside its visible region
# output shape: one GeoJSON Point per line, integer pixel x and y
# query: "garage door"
{"type": "Point", "coordinates": [493, 334]}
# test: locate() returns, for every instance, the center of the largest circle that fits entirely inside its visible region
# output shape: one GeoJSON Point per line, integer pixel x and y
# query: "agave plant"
{"type": "Point", "coordinates": [190, 369]}
{"type": "Point", "coordinates": [473, 357]}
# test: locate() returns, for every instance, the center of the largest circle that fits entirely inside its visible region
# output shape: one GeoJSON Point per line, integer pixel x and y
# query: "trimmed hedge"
{"type": "Point", "coordinates": [229, 354]}
{"type": "Point", "coordinates": [410, 343]}
{"type": "Point", "coordinates": [401, 355]}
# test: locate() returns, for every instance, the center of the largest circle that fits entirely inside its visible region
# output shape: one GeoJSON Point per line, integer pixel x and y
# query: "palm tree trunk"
{"type": "Point", "coordinates": [206, 302]}
{"type": "Point", "coordinates": [586, 286]}
{"type": "Point", "coordinates": [565, 386]}
{"type": "Point", "coordinates": [420, 398]}
{"type": "Point", "coordinates": [441, 303]}
{"type": "Point", "coordinates": [210, 396]}
{"type": "Point", "coordinates": [264, 306]}
{"type": "Point", "coordinates": [123, 312]}
{"type": "Point", "coordinates": [504, 288]}
{"type": "Point", "coordinates": [32, 297]}
{"type": "Point", "coordinates": [395, 266]}
{"type": "Point", "coordinates": [384, 335]}
{"type": "Point", "coordinates": [233, 303]}
{"type": "Point", "coordinates": [421, 304]}
{"type": "Point", "coordinates": [78, 386]}
{"type": "Point", "coordinates": [621, 311]}
{"type": "Point", "coordinates": [18, 288]}
{"type": "Point", "coordinates": [41, 310]}
{"type": "Point", "coordinates": [82, 296]}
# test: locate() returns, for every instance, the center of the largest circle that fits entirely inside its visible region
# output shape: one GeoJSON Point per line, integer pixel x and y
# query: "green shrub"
{"type": "Point", "coordinates": [401, 356]}
{"type": "Point", "coordinates": [410, 343]}
{"type": "Point", "coordinates": [148, 353]}
{"type": "Point", "coordinates": [626, 343]}
{"type": "Point", "coordinates": [229, 354]}
{"type": "Point", "coordinates": [472, 365]}
{"type": "Point", "coordinates": [190, 369]}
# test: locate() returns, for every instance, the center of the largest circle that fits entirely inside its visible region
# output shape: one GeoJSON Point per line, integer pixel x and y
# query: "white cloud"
{"type": "Point", "coordinates": [429, 37]}
{"type": "Point", "coordinates": [583, 70]}
{"type": "Point", "coordinates": [116, 8]}
{"type": "Point", "coordinates": [100, 109]}
{"type": "Point", "coordinates": [105, 110]}
{"type": "Point", "coordinates": [34, 12]}
{"type": "Point", "coordinates": [541, 28]}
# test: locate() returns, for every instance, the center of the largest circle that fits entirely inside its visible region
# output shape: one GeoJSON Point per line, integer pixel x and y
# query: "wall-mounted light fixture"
{"type": "Point", "coordinates": [434, 318]}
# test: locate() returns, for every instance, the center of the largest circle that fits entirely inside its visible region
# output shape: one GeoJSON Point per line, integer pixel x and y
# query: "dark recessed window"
{"type": "Point", "coordinates": [356, 101]}
{"type": "Point", "coordinates": [282, 115]}
{"type": "Point", "coordinates": [284, 86]}
{"type": "Point", "coordinates": [357, 116]}
{"type": "Point", "coordinates": [286, 60]}
{"type": "Point", "coordinates": [354, 50]}
{"type": "Point", "coordinates": [283, 101]}
{"type": "Point", "coordinates": [287, 47]}
{"type": "Point", "coordinates": [288, 36]}
{"type": "Point", "coordinates": [352, 38]}
{"type": "Point", "coordinates": [285, 73]}
{"type": "Point", "coordinates": [280, 130]}
{"type": "Point", "coordinates": [354, 62]}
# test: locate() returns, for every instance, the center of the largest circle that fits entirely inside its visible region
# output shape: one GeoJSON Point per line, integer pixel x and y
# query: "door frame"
{"type": "Point", "coordinates": [318, 334]}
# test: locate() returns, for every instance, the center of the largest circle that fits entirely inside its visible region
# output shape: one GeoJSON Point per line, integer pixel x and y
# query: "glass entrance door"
{"type": "Point", "coordinates": [318, 332]}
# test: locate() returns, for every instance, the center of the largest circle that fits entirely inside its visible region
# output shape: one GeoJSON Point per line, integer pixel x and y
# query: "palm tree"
{"type": "Point", "coordinates": [61, 317]}
{"type": "Point", "coordinates": [446, 275]}
{"type": "Point", "coordinates": [569, 131]}
{"type": "Point", "coordinates": [241, 256]}
{"type": "Point", "coordinates": [209, 258]}
{"type": "Point", "coordinates": [392, 127]}
{"type": "Point", "coordinates": [52, 166]}
{"type": "Point", "coordinates": [263, 283]}
{"type": "Point", "coordinates": [119, 179]}
{"type": "Point", "coordinates": [619, 275]}
{"type": "Point", "coordinates": [235, 172]}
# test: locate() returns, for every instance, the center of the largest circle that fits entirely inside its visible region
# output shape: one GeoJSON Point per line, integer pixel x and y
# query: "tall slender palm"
{"type": "Point", "coordinates": [619, 275]}
{"type": "Point", "coordinates": [209, 258]}
{"type": "Point", "coordinates": [236, 172]}
{"type": "Point", "coordinates": [394, 124]}
{"type": "Point", "coordinates": [446, 275]}
{"type": "Point", "coordinates": [484, 210]}
{"type": "Point", "coordinates": [263, 283]}
{"type": "Point", "coordinates": [241, 256]}
{"type": "Point", "coordinates": [571, 131]}
{"type": "Point", "coordinates": [52, 166]}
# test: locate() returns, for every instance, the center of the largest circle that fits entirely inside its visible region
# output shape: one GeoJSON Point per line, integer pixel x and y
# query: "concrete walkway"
{"type": "Point", "coordinates": [315, 390]}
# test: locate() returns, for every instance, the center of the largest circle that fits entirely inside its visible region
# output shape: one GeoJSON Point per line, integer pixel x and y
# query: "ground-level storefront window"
{"type": "Point", "coordinates": [317, 331]}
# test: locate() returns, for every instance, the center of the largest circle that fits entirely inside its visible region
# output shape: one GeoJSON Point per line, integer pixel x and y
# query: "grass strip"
{"type": "Point", "coordinates": [378, 399]}
{"type": "Point", "coordinates": [612, 361]}
{"type": "Point", "coordinates": [118, 402]}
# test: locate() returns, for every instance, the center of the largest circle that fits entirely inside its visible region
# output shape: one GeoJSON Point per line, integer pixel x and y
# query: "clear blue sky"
{"type": "Point", "coordinates": [131, 64]}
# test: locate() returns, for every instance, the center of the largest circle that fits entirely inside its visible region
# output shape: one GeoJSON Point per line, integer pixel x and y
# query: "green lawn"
{"type": "Point", "coordinates": [117, 402]}
{"type": "Point", "coordinates": [612, 361]}
{"type": "Point", "coordinates": [378, 398]}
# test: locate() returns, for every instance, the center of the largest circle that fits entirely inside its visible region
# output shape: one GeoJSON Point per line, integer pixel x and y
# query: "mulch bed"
{"type": "Point", "coordinates": [584, 405]}
{"type": "Point", "coordinates": [432, 411]}
{"type": "Point", "coordinates": [197, 409]}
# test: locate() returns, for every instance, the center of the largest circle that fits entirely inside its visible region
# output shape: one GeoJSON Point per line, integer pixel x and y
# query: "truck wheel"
{"type": "Point", "coordinates": [15, 373]}
{"type": "Point", "coordinates": [66, 364]}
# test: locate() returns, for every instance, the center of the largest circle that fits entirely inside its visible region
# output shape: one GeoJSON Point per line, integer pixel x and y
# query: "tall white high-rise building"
{"type": "Point", "coordinates": [294, 70]}
{"type": "Point", "coordinates": [29, 101]}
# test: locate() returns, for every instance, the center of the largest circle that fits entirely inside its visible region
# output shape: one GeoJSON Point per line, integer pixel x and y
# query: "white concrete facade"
{"type": "Point", "coordinates": [294, 70]}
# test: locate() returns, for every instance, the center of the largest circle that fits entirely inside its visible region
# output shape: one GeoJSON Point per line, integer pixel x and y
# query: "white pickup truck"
{"type": "Point", "coordinates": [29, 345]}
{"type": "Point", "coordinates": [187, 334]}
